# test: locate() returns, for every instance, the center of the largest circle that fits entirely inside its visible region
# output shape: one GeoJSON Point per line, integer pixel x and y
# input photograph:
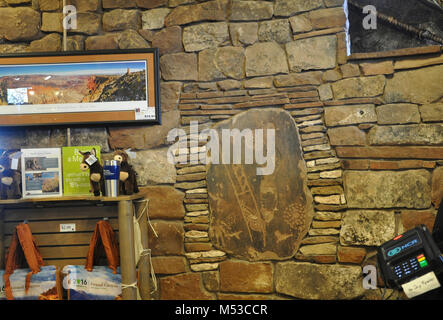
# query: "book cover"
{"type": "Point", "coordinates": [41, 172]}
{"type": "Point", "coordinates": [75, 181]}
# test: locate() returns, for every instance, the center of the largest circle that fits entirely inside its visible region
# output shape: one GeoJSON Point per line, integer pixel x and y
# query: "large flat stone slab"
{"type": "Point", "coordinates": [388, 189]}
{"type": "Point", "coordinates": [259, 217]}
{"type": "Point", "coordinates": [265, 58]}
{"type": "Point", "coordinates": [367, 227]}
{"type": "Point", "coordinates": [312, 53]}
{"type": "Point", "coordinates": [321, 282]}
{"type": "Point", "coordinates": [423, 134]}
{"type": "Point", "coordinates": [416, 86]}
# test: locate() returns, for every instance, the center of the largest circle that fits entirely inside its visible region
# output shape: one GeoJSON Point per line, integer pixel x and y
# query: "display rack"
{"type": "Point", "coordinates": [97, 208]}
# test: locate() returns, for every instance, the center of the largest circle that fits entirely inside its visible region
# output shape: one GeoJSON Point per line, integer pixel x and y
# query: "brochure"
{"type": "Point", "coordinates": [75, 181]}
{"type": "Point", "coordinates": [41, 172]}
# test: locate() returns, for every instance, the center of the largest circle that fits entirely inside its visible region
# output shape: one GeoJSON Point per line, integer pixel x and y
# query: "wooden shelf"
{"type": "Point", "coordinates": [74, 245]}
{"type": "Point", "coordinates": [75, 198]}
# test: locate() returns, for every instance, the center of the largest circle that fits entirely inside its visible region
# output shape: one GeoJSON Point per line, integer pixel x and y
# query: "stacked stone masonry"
{"type": "Point", "coordinates": [371, 131]}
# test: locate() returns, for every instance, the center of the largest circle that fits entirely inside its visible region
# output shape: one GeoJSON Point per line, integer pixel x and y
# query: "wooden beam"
{"type": "Point", "coordinates": [396, 53]}
{"type": "Point", "coordinates": [144, 266]}
{"type": "Point", "coordinates": [2, 240]}
{"type": "Point", "coordinates": [127, 254]}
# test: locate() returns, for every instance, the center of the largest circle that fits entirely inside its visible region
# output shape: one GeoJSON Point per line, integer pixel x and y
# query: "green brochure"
{"type": "Point", "coordinates": [75, 181]}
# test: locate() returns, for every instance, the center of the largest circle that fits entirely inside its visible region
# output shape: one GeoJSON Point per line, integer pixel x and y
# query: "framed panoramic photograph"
{"type": "Point", "coordinates": [80, 88]}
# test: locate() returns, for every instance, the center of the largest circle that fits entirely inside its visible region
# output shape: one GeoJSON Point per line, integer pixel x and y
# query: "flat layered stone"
{"type": "Point", "coordinates": [153, 167]}
{"type": "Point", "coordinates": [263, 223]}
{"type": "Point", "coordinates": [328, 216]}
{"type": "Point", "coordinates": [19, 24]}
{"type": "Point", "coordinates": [287, 8]}
{"type": "Point", "coordinates": [243, 33]}
{"type": "Point", "coordinates": [112, 4]}
{"type": "Point", "coordinates": [52, 22]}
{"type": "Point", "coordinates": [274, 30]}
{"type": "Point", "coordinates": [145, 137]}
{"type": "Point", "coordinates": [359, 87]}
{"type": "Point", "coordinates": [345, 115]}
{"type": "Point", "coordinates": [169, 239]}
{"type": "Point", "coordinates": [231, 61]}
{"type": "Point", "coordinates": [347, 136]}
{"type": "Point", "coordinates": [327, 18]}
{"type": "Point", "coordinates": [169, 265]}
{"type": "Point", "coordinates": [437, 186]}
{"type": "Point", "coordinates": [179, 66]}
{"type": "Point", "coordinates": [312, 53]}
{"type": "Point", "coordinates": [131, 39]}
{"type": "Point", "coordinates": [325, 92]}
{"type": "Point", "coordinates": [351, 254]}
{"type": "Point", "coordinates": [168, 40]}
{"type": "Point", "coordinates": [414, 218]}
{"type": "Point", "coordinates": [369, 69]}
{"type": "Point", "coordinates": [418, 62]}
{"type": "Point", "coordinates": [207, 11]}
{"type": "Point", "coordinates": [380, 189]}
{"type": "Point", "coordinates": [207, 66]}
{"type": "Point", "coordinates": [51, 42]}
{"type": "Point", "coordinates": [367, 227]}
{"type": "Point", "coordinates": [239, 276]}
{"type": "Point", "coordinates": [432, 112]}
{"type": "Point", "coordinates": [298, 79]}
{"type": "Point", "coordinates": [102, 42]}
{"type": "Point", "coordinates": [165, 202]}
{"type": "Point", "coordinates": [392, 152]}
{"type": "Point", "coordinates": [398, 113]}
{"type": "Point", "coordinates": [121, 19]}
{"type": "Point", "coordinates": [185, 286]}
{"type": "Point", "coordinates": [149, 4]}
{"type": "Point", "coordinates": [251, 10]}
{"type": "Point", "coordinates": [80, 5]}
{"type": "Point", "coordinates": [320, 239]}
{"type": "Point", "coordinates": [265, 58]}
{"type": "Point", "coordinates": [417, 134]}
{"type": "Point", "coordinates": [420, 86]}
{"type": "Point", "coordinates": [302, 280]}
{"type": "Point", "coordinates": [205, 35]}
{"type": "Point", "coordinates": [154, 18]}
{"type": "Point", "coordinates": [318, 249]}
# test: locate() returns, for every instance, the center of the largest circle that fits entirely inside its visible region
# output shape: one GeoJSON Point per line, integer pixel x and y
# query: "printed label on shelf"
{"type": "Point", "coordinates": [67, 227]}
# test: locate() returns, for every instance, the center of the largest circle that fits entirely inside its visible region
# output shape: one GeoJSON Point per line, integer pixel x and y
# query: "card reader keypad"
{"type": "Point", "coordinates": [410, 265]}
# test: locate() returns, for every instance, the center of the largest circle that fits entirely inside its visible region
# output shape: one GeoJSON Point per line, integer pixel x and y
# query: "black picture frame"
{"type": "Point", "coordinates": [44, 89]}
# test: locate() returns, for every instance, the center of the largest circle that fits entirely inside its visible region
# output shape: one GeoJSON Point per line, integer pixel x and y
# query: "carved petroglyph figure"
{"type": "Point", "coordinates": [256, 217]}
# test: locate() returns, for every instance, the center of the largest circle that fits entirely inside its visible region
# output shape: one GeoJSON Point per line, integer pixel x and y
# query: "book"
{"type": "Point", "coordinates": [75, 181]}
{"type": "Point", "coordinates": [41, 172]}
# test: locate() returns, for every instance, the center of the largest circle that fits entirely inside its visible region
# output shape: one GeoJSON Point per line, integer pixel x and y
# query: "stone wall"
{"type": "Point", "coordinates": [370, 132]}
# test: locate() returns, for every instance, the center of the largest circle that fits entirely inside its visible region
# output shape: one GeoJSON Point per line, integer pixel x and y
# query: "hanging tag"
{"type": "Point", "coordinates": [14, 159]}
{"type": "Point", "coordinates": [131, 154]}
{"type": "Point", "coordinates": [91, 160]}
{"type": "Point", "coordinates": [15, 155]}
{"type": "Point", "coordinates": [14, 164]}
